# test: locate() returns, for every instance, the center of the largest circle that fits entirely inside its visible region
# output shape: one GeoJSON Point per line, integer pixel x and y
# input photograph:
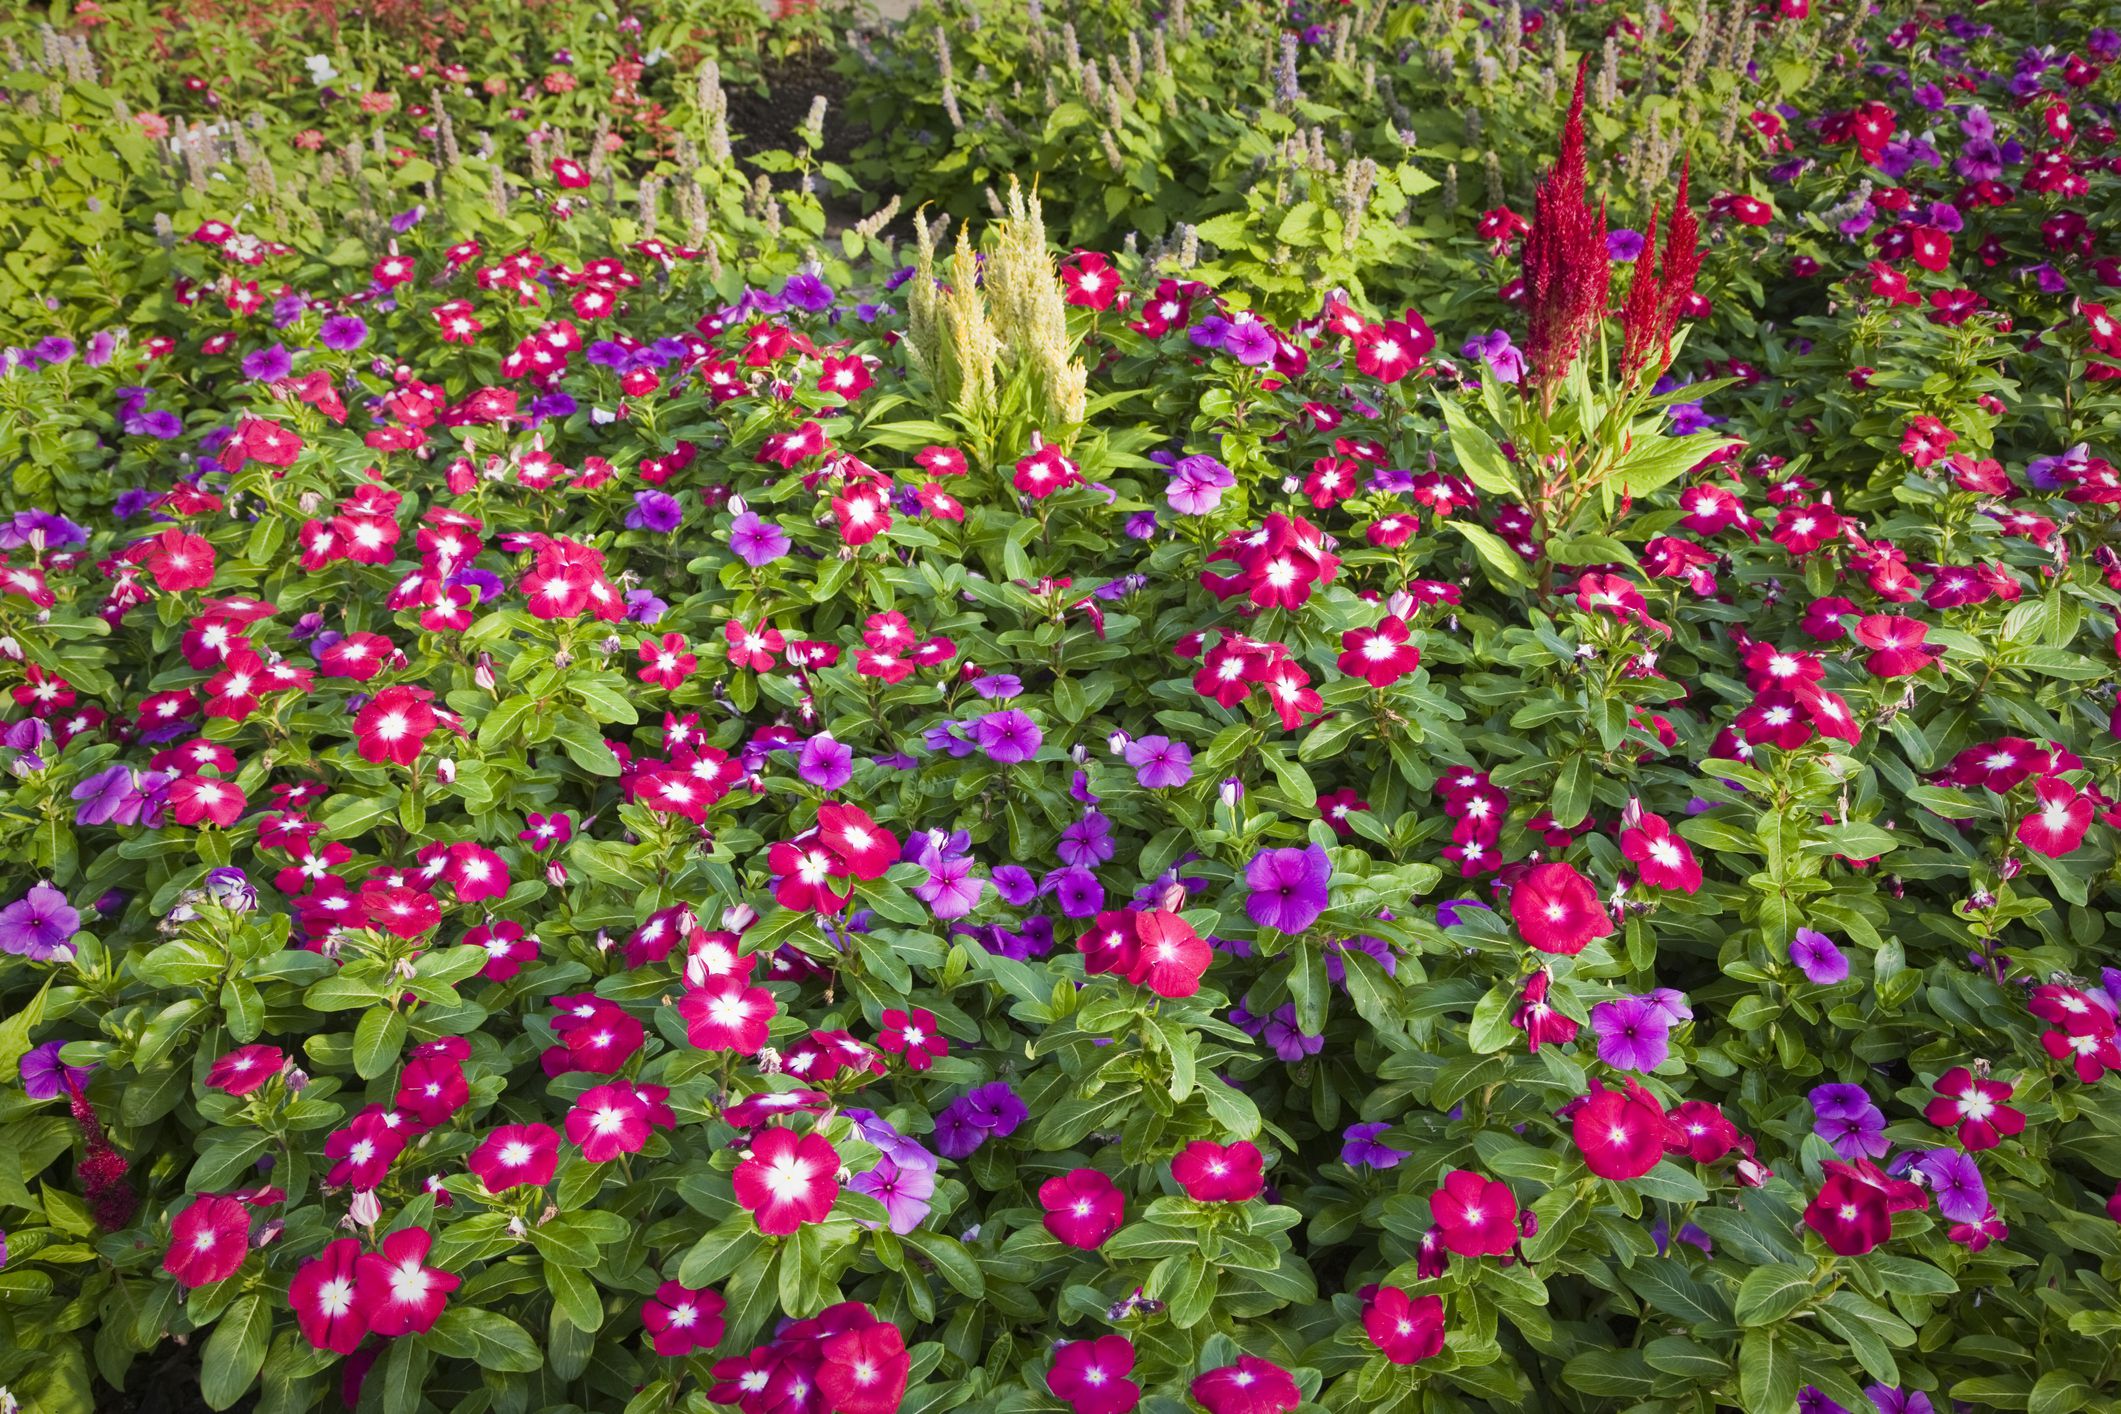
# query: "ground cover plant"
{"type": "Point", "coordinates": [1457, 754]}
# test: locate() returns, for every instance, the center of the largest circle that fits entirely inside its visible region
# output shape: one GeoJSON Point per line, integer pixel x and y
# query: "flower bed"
{"type": "Point", "coordinates": [618, 803]}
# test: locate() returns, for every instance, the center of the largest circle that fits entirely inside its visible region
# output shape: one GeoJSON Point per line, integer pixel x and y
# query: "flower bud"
{"type": "Point", "coordinates": [1233, 791]}
{"type": "Point", "coordinates": [231, 888]}
{"type": "Point", "coordinates": [366, 1209]}
{"type": "Point", "coordinates": [556, 875]}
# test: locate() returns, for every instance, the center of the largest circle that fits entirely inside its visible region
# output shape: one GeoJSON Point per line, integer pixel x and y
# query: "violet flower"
{"type": "Point", "coordinates": [1160, 763]}
{"type": "Point", "coordinates": [1816, 956]}
{"type": "Point", "coordinates": [825, 763]}
{"type": "Point", "coordinates": [1632, 1033]}
{"type": "Point", "coordinates": [1288, 887]}
{"type": "Point", "coordinates": [1008, 738]}
{"type": "Point", "coordinates": [1361, 1148]}
{"type": "Point", "coordinates": [757, 542]}
{"type": "Point", "coordinates": [40, 925]}
{"type": "Point", "coordinates": [46, 1077]}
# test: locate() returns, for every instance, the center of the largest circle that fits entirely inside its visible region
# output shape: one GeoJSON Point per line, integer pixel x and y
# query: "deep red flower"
{"type": "Point", "coordinates": [1662, 858]}
{"type": "Point", "coordinates": [1083, 1207]}
{"type": "Point", "coordinates": [1478, 1215]}
{"type": "Point", "coordinates": [788, 1180]}
{"type": "Point", "coordinates": [1379, 656]}
{"type": "Point", "coordinates": [394, 724]}
{"type": "Point", "coordinates": [516, 1156]}
{"type": "Point", "coordinates": [1622, 1133]}
{"type": "Point", "coordinates": [1701, 1131]}
{"type": "Point", "coordinates": [1408, 1329]}
{"type": "Point", "coordinates": [1251, 1386]}
{"type": "Point", "coordinates": [863, 1371]}
{"type": "Point", "coordinates": [1172, 957]}
{"type": "Point", "coordinates": [608, 1121]}
{"type": "Point", "coordinates": [725, 1014]}
{"type": "Point", "coordinates": [914, 1034]}
{"type": "Point", "coordinates": [1566, 268]}
{"type": "Point", "coordinates": [1091, 1375]}
{"type": "Point", "coordinates": [1975, 1106]}
{"type": "Point", "coordinates": [245, 1069]}
{"type": "Point", "coordinates": [863, 847]}
{"type": "Point", "coordinates": [1217, 1173]}
{"type": "Point", "coordinates": [1556, 910]}
{"type": "Point", "coordinates": [2060, 823]}
{"type": "Point", "coordinates": [1853, 1210]}
{"type": "Point", "coordinates": [681, 1320]}
{"type": "Point", "coordinates": [400, 1293]}
{"type": "Point", "coordinates": [327, 1298]}
{"type": "Point", "coordinates": [207, 1241]}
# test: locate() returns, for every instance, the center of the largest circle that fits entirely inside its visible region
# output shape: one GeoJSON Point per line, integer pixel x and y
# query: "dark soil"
{"type": "Point", "coordinates": [163, 1381]}
{"type": "Point", "coordinates": [761, 120]}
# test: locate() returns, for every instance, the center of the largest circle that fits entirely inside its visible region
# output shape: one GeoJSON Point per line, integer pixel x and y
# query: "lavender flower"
{"type": "Point", "coordinates": [1088, 842]}
{"type": "Point", "coordinates": [1288, 887]}
{"type": "Point", "coordinates": [269, 364]}
{"type": "Point", "coordinates": [343, 333]}
{"type": "Point", "coordinates": [39, 925]}
{"type": "Point", "coordinates": [951, 889]}
{"type": "Point", "coordinates": [1160, 763]}
{"type": "Point", "coordinates": [1361, 1148]}
{"type": "Point", "coordinates": [1501, 356]}
{"type": "Point", "coordinates": [1632, 1033]}
{"type": "Point", "coordinates": [1956, 1180]}
{"type": "Point", "coordinates": [992, 1111]}
{"type": "Point", "coordinates": [1847, 1120]}
{"type": "Point", "coordinates": [904, 1192]}
{"type": "Point", "coordinates": [1816, 956]}
{"type": "Point", "coordinates": [825, 763]}
{"type": "Point", "coordinates": [1009, 737]}
{"type": "Point", "coordinates": [46, 1077]}
{"type": "Point", "coordinates": [1197, 485]}
{"type": "Point", "coordinates": [805, 291]}
{"type": "Point", "coordinates": [757, 542]}
{"type": "Point", "coordinates": [658, 511]}
{"type": "Point", "coordinates": [1249, 342]}
{"type": "Point", "coordinates": [1286, 1039]}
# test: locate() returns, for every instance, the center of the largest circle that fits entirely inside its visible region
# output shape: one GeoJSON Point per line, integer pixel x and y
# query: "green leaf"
{"type": "Point", "coordinates": [1477, 454]}
{"type": "Point", "coordinates": [1767, 1370]}
{"type": "Point", "coordinates": [501, 1343]}
{"type": "Point", "coordinates": [1494, 553]}
{"type": "Point", "coordinates": [1769, 1293]}
{"type": "Point", "coordinates": [379, 1040]}
{"type": "Point", "coordinates": [235, 1351]}
{"type": "Point", "coordinates": [2059, 1392]}
{"type": "Point", "coordinates": [950, 1259]}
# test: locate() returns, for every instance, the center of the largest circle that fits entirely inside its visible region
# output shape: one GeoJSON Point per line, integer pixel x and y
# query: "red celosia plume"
{"type": "Point", "coordinates": [1658, 294]}
{"type": "Point", "coordinates": [1565, 265]}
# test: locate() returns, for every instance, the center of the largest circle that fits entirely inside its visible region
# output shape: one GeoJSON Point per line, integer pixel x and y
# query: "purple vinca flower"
{"type": "Point", "coordinates": [1009, 737]}
{"type": "Point", "coordinates": [757, 542]}
{"type": "Point", "coordinates": [1160, 763]}
{"type": "Point", "coordinates": [1632, 1033]}
{"type": "Point", "coordinates": [40, 925]}
{"type": "Point", "coordinates": [1288, 887]}
{"type": "Point", "coordinates": [1814, 954]}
